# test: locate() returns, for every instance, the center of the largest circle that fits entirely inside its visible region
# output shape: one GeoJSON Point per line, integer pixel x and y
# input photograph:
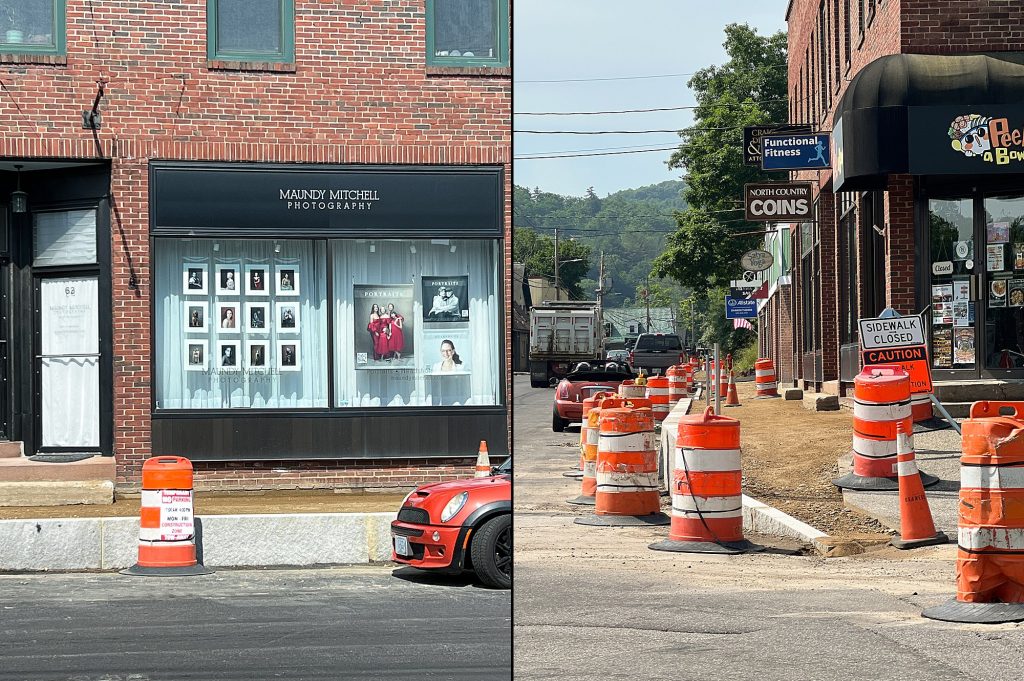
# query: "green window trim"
{"type": "Point", "coordinates": [286, 55]}
{"type": "Point", "coordinates": [59, 45]}
{"type": "Point", "coordinates": [501, 30]}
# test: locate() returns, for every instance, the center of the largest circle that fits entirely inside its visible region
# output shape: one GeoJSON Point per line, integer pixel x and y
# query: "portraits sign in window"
{"type": "Point", "coordinates": [384, 329]}
{"type": "Point", "coordinates": [445, 299]}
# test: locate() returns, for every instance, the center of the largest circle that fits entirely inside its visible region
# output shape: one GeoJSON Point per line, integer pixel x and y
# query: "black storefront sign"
{"type": "Point", "coordinates": [966, 139]}
{"type": "Point", "coordinates": [777, 201]}
{"type": "Point", "coordinates": [752, 135]}
{"type": "Point", "coordinates": [371, 201]}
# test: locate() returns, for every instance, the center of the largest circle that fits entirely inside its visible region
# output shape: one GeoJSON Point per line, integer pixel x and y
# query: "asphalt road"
{"type": "Point", "coordinates": [360, 622]}
{"type": "Point", "coordinates": [596, 603]}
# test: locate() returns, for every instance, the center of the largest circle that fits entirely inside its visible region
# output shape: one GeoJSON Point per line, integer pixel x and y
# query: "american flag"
{"type": "Point", "coordinates": [741, 324]}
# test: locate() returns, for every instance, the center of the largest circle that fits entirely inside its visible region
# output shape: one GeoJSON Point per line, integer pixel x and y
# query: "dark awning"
{"type": "Point", "coordinates": [896, 115]}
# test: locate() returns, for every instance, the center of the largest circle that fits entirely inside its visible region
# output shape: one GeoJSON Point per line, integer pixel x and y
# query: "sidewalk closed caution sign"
{"type": "Point", "coordinates": [897, 340]}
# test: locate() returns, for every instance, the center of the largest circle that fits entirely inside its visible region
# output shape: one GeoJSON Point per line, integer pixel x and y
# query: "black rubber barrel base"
{"type": "Point", "coordinates": [582, 501]}
{"type": "Point", "coordinates": [188, 571]}
{"type": "Point", "coordinates": [863, 483]}
{"type": "Point", "coordinates": [976, 613]}
{"type": "Point", "coordinates": [573, 474]}
{"type": "Point", "coordinates": [624, 520]}
{"type": "Point", "coordinates": [939, 538]}
{"type": "Point", "coordinates": [726, 547]}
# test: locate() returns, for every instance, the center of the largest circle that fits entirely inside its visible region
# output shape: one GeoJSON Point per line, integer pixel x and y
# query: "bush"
{"type": "Point", "coordinates": [743, 361]}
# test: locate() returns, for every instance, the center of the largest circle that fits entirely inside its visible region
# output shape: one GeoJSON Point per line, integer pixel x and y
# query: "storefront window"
{"type": "Point", "coordinates": [1004, 290]}
{"type": "Point", "coordinates": [417, 322]}
{"type": "Point", "coordinates": [951, 225]}
{"type": "Point", "coordinates": [240, 324]}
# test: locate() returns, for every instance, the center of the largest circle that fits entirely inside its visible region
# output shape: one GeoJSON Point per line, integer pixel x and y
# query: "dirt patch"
{"type": "Point", "coordinates": [789, 461]}
{"type": "Point", "coordinates": [221, 504]}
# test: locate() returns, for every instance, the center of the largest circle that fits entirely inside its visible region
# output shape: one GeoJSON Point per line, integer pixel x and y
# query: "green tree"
{"type": "Point", "coordinates": [537, 253]}
{"type": "Point", "coordinates": [704, 252]}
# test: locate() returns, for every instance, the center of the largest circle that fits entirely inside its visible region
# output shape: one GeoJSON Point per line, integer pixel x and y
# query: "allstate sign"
{"type": "Point", "coordinates": [740, 308]}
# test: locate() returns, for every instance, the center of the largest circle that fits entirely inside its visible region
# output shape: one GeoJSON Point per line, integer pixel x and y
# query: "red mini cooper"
{"type": "Point", "coordinates": [459, 525]}
{"type": "Point", "coordinates": [586, 379]}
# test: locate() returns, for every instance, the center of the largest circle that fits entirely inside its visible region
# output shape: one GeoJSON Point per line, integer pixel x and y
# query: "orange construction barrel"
{"type": "Point", "coordinates": [765, 382]}
{"type": "Point", "coordinates": [167, 538]}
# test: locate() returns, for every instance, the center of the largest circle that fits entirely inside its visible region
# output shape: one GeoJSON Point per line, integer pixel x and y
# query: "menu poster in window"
{"type": "Point", "coordinates": [1016, 294]}
{"type": "Point", "coordinates": [998, 232]}
{"type": "Point", "coordinates": [942, 304]}
{"type": "Point", "coordinates": [384, 326]}
{"type": "Point", "coordinates": [961, 290]}
{"type": "Point", "coordinates": [446, 352]}
{"type": "Point", "coordinates": [963, 346]}
{"type": "Point", "coordinates": [445, 299]}
{"type": "Point", "coordinates": [942, 347]}
{"type": "Point", "coordinates": [997, 292]}
{"type": "Point", "coordinates": [994, 261]}
{"type": "Point", "coordinates": [960, 313]}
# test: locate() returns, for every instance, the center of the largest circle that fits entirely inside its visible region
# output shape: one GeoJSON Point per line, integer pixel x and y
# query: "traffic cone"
{"type": "Point", "coordinates": [483, 463]}
{"type": "Point", "coordinates": [733, 398]}
{"type": "Point", "coordinates": [916, 525]}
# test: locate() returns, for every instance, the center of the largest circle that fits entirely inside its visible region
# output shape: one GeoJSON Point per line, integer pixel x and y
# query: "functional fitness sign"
{"type": "Point", "coordinates": [752, 135]}
{"type": "Point", "coordinates": [777, 201]}
{"type": "Point", "coordinates": [897, 340]}
{"type": "Point", "coordinates": [795, 152]}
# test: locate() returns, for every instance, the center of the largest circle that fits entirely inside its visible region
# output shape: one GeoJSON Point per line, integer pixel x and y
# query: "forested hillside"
{"type": "Point", "coordinates": [630, 226]}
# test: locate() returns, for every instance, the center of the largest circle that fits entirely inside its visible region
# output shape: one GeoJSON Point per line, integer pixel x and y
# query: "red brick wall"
{"type": "Point", "coordinates": [899, 245]}
{"type": "Point", "coordinates": [358, 92]}
{"type": "Point", "coordinates": [950, 26]}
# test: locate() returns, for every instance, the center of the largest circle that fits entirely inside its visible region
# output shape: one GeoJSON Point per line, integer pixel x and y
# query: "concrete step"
{"type": "Point", "coordinates": [984, 389]}
{"type": "Point", "coordinates": [11, 450]}
{"type": "Point", "coordinates": [21, 469]}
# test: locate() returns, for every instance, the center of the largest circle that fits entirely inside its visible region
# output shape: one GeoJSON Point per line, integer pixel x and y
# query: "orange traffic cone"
{"type": "Point", "coordinates": [483, 463]}
{"type": "Point", "coordinates": [732, 399]}
{"type": "Point", "coordinates": [916, 525]}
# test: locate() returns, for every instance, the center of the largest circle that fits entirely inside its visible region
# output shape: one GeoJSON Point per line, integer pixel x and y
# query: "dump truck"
{"type": "Point", "coordinates": [562, 334]}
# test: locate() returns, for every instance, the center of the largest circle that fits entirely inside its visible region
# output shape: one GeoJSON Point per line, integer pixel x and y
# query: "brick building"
{"type": "Point", "coordinates": [923, 207]}
{"type": "Point", "coordinates": [270, 236]}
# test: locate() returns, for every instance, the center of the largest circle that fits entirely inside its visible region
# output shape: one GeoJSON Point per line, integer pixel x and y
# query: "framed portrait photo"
{"type": "Point", "coordinates": [196, 355]}
{"type": "Point", "coordinates": [288, 355]}
{"type": "Point", "coordinates": [227, 318]}
{"type": "Point", "coordinates": [287, 280]}
{"type": "Point", "coordinates": [257, 280]}
{"type": "Point", "coordinates": [196, 317]}
{"type": "Point", "coordinates": [256, 354]}
{"type": "Point", "coordinates": [194, 278]}
{"type": "Point", "coordinates": [228, 356]}
{"type": "Point", "coordinates": [287, 317]}
{"type": "Point", "coordinates": [228, 280]}
{"type": "Point", "coordinates": [257, 317]}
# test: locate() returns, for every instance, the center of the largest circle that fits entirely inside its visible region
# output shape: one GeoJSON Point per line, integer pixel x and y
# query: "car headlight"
{"type": "Point", "coordinates": [453, 507]}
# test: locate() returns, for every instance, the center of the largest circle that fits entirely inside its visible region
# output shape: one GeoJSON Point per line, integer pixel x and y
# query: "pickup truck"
{"type": "Point", "coordinates": [654, 353]}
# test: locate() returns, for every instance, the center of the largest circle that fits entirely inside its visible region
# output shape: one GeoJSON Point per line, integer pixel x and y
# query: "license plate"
{"type": "Point", "coordinates": [402, 547]}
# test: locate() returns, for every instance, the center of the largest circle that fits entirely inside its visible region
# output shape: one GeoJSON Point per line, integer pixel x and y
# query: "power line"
{"type": "Point", "coordinates": [627, 111]}
{"type": "Point", "coordinates": [601, 153]}
{"type": "Point", "coordinates": [679, 131]}
{"type": "Point", "coordinates": [594, 80]}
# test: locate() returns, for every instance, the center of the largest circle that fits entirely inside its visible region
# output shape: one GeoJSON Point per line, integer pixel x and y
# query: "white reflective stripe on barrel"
{"type": "Point", "coordinates": [149, 539]}
{"type": "Point", "coordinates": [707, 460]}
{"type": "Point", "coordinates": [992, 477]}
{"type": "Point", "coordinates": [612, 482]}
{"type": "Point", "coordinates": [764, 372]}
{"type": "Point", "coordinates": [151, 498]}
{"type": "Point", "coordinates": [765, 386]}
{"type": "Point", "coordinates": [978, 538]}
{"type": "Point", "coordinates": [906, 468]}
{"type": "Point", "coordinates": [589, 469]}
{"type": "Point", "coordinates": [874, 449]}
{"type": "Point", "coordinates": [719, 507]}
{"type": "Point", "coordinates": [593, 435]}
{"type": "Point", "coordinates": [918, 398]}
{"type": "Point", "coordinates": [626, 442]}
{"type": "Point", "coordinates": [633, 390]}
{"type": "Point", "coordinates": [881, 412]}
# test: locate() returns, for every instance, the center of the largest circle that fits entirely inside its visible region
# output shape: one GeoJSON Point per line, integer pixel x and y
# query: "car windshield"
{"type": "Point", "coordinates": [505, 468]}
{"type": "Point", "coordinates": [658, 343]}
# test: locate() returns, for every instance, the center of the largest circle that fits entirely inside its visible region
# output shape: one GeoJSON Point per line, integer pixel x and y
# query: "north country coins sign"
{"type": "Point", "coordinates": [778, 201]}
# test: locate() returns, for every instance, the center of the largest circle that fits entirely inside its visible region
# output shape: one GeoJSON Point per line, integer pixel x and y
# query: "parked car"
{"type": "Point", "coordinates": [583, 381]}
{"type": "Point", "coordinates": [654, 353]}
{"type": "Point", "coordinates": [459, 525]}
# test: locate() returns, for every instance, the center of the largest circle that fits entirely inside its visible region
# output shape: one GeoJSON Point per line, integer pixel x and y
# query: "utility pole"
{"type": "Point", "coordinates": [557, 294]}
{"type": "Point", "coordinates": [647, 299]}
{"type": "Point", "coordinates": [600, 283]}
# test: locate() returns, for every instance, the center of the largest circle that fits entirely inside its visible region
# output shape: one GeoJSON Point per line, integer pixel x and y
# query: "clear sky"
{"type": "Point", "coordinates": [591, 39]}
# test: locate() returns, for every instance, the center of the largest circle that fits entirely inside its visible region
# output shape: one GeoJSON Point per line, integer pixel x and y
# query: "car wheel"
{"type": "Point", "coordinates": [536, 383]}
{"type": "Point", "coordinates": [558, 424]}
{"type": "Point", "coordinates": [491, 552]}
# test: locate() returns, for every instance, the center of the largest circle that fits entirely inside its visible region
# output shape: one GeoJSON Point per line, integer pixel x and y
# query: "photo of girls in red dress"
{"type": "Point", "coordinates": [387, 340]}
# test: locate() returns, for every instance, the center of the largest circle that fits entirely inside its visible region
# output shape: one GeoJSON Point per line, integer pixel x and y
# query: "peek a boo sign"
{"type": "Point", "coordinates": [897, 340]}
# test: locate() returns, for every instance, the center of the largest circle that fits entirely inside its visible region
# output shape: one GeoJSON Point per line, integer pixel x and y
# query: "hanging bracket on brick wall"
{"type": "Point", "coordinates": [92, 120]}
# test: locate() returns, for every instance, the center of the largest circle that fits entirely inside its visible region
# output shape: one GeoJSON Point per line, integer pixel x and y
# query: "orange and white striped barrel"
{"type": "Point", "coordinates": [723, 380]}
{"type": "Point", "coordinates": [707, 502]}
{"type": "Point", "coordinates": [695, 362]}
{"type": "Point", "coordinates": [764, 378]}
{"type": "Point", "coordinates": [167, 542]}
{"type": "Point", "coordinates": [881, 400]}
{"type": "Point", "coordinates": [713, 368]}
{"type": "Point", "coordinates": [588, 441]}
{"type": "Point", "coordinates": [630, 390]}
{"type": "Point", "coordinates": [921, 406]}
{"type": "Point", "coordinates": [658, 393]}
{"type": "Point", "coordinates": [688, 385]}
{"type": "Point", "coordinates": [588, 404]}
{"type": "Point", "coordinates": [990, 554]}
{"type": "Point", "coordinates": [677, 389]}
{"type": "Point", "coordinates": [627, 463]}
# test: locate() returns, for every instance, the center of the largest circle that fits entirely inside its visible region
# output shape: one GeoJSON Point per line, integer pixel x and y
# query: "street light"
{"type": "Point", "coordinates": [558, 266]}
